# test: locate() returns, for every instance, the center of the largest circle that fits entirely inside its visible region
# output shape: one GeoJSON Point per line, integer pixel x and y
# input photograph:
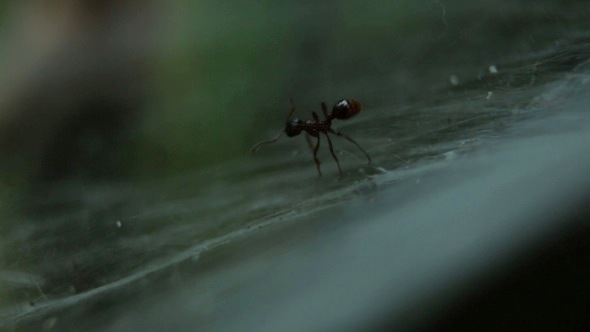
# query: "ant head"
{"type": "Point", "coordinates": [346, 109]}
{"type": "Point", "coordinates": [293, 127]}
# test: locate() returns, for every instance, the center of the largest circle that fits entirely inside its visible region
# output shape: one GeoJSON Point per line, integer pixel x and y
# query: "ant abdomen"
{"type": "Point", "coordinates": [346, 109]}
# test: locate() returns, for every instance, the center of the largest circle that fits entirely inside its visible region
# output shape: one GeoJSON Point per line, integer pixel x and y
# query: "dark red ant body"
{"type": "Point", "coordinates": [342, 110]}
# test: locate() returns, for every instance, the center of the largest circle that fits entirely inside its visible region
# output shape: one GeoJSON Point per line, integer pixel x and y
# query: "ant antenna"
{"type": "Point", "coordinates": [257, 146]}
{"type": "Point", "coordinates": [292, 108]}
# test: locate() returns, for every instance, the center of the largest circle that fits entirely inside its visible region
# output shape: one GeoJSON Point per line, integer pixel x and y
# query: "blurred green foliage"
{"type": "Point", "coordinates": [217, 66]}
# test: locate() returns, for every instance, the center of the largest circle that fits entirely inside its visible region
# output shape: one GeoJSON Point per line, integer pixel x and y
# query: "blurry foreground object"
{"type": "Point", "coordinates": [73, 84]}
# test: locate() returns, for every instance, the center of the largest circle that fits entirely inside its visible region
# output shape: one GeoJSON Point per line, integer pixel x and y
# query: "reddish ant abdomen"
{"type": "Point", "coordinates": [346, 109]}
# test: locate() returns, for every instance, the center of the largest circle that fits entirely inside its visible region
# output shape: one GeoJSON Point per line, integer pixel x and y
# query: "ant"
{"type": "Point", "coordinates": [342, 110]}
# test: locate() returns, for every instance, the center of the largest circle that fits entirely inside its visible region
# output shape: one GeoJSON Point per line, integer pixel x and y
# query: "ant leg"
{"type": "Point", "coordinates": [315, 157]}
{"type": "Point", "coordinates": [258, 145]}
{"type": "Point", "coordinates": [353, 142]}
{"type": "Point", "coordinates": [333, 154]}
{"type": "Point", "coordinates": [309, 142]}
